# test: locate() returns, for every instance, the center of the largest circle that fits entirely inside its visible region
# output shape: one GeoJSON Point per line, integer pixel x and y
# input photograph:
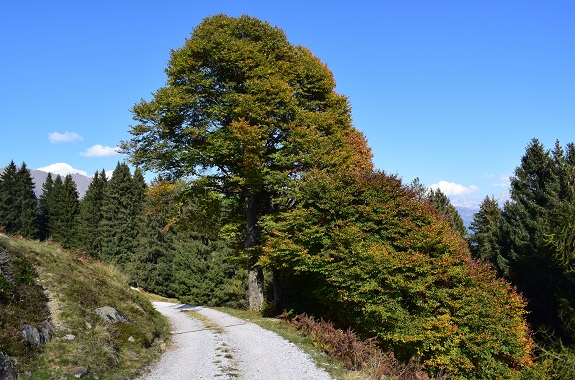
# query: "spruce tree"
{"type": "Point", "coordinates": [43, 205]}
{"type": "Point", "coordinates": [524, 242]}
{"type": "Point", "coordinates": [27, 202]}
{"type": "Point", "coordinates": [63, 205]}
{"type": "Point", "coordinates": [9, 213]}
{"type": "Point", "coordinates": [561, 231]}
{"type": "Point", "coordinates": [152, 264]}
{"type": "Point", "coordinates": [121, 214]}
{"type": "Point", "coordinates": [444, 207]}
{"type": "Point", "coordinates": [91, 214]}
{"type": "Point", "coordinates": [484, 237]}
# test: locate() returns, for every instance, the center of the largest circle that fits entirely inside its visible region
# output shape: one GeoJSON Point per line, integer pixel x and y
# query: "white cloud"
{"type": "Point", "coordinates": [62, 169]}
{"type": "Point", "coordinates": [100, 151]}
{"type": "Point", "coordinates": [56, 137]}
{"type": "Point", "coordinates": [450, 188]}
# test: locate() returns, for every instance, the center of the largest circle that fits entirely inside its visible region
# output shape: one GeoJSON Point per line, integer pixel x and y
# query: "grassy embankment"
{"type": "Point", "coordinates": [48, 283]}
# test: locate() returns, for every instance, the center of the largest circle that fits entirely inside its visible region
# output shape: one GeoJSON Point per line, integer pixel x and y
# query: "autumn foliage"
{"type": "Point", "coordinates": [361, 251]}
{"type": "Point", "coordinates": [258, 121]}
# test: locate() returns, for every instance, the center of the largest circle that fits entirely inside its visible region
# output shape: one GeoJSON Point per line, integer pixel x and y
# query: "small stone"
{"type": "Point", "coordinates": [88, 326]}
{"type": "Point", "coordinates": [69, 337]}
{"type": "Point", "coordinates": [111, 315]}
{"type": "Point", "coordinates": [79, 372]}
{"type": "Point", "coordinates": [131, 339]}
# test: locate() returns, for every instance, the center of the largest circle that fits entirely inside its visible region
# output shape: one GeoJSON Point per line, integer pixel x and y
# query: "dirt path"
{"type": "Point", "coordinates": [229, 349]}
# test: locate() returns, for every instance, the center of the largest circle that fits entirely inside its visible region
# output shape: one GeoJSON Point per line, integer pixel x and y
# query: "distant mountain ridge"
{"type": "Point", "coordinates": [39, 177]}
{"type": "Point", "coordinates": [466, 214]}
{"type": "Point", "coordinates": [468, 206]}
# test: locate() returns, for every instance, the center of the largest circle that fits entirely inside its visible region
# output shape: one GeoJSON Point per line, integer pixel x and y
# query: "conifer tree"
{"type": "Point", "coordinates": [561, 232]}
{"type": "Point", "coordinates": [8, 200]}
{"type": "Point", "coordinates": [18, 212]}
{"type": "Point", "coordinates": [152, 263]}
{"type": "Point", "coordinates": [484, 237]}
{"type": "Point", "coordinates": [91, 214]}
{"type": "Point", "coordinates": [527, 220]}
{"type": "Point", "coordinates": [121, 215]}
{"type": "Point", "coordinates": [43, 205]}
{"type": "Point", "coordinates": [444, 207]}
{"type": "Point", "coordinates": [27, 202]}
{"type": "Point", "coordinates": [63, 205]}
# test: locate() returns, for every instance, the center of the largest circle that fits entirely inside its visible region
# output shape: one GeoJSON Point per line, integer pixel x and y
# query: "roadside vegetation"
{"type": "Point", "coordinates": [65, 288]}
{"type": "Point", "coordinates": [342, 353]}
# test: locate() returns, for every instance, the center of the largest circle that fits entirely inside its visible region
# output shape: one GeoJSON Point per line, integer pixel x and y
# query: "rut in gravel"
{"type": "Point", "coordinates": [216, 345]}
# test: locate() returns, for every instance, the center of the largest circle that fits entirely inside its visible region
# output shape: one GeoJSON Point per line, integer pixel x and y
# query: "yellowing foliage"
{"type": "Point", "coordinates": [363, 252]}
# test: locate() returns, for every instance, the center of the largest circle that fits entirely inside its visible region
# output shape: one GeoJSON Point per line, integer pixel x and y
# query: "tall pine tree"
{"type": "Point", "coordinates": [444, 207]}
{"type": "Point", "coordinates": [60, 204]}
{"type": "Point", "coordinates": [122, 208]}
{"type": "Point", "coordinates": [18, 212]}
{"type": "Point", "coordinates": [43, 205]}
{"type": "Point", "coordinates": [27, 204]}
{"type": "Point", "coordinates": [484, 237]}
{"type": "Point", "coordinates": [526, 241]}
{"type": "Point", "coordinates": [91, 214]}
{"type": "Point", "coordinates": [9, 213]}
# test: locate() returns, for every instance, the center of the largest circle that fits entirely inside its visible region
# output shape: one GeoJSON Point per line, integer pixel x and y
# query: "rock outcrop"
{"type": "Point", "coordinates": [7, 370]}
{"type": "Point", "coordinates": [111, 315]}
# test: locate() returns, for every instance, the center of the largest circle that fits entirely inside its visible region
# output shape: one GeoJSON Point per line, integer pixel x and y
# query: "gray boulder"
{"type": "Point", "coordinates": [35, 336]}
{"type": "Point", "coordinates": [111, 315]}
{"type": "Point", "coordinates": [7, 370]}
{"type": "Point", "coordinates": [46, 331]}
{"type": "Point", "coordinates": [30, 334]}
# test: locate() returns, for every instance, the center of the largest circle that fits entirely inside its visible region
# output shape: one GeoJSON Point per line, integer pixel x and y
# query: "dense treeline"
{"type": "Point", "coordinates": [123, 221]}
{"type": "Point", "coordinates": [531, 242]}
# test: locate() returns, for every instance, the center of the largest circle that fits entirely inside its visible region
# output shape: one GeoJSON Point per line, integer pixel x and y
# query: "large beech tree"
{"type": "Point", "coordinates": [250, 112]}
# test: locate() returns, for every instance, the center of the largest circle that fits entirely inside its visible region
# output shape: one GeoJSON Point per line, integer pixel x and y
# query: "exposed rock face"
{"type": "Point", "coordinates": [35, 336]}
{"type": "Point", "coordinates": [7, 370]}
{"type": "Point", "coordinates": [111, 315]}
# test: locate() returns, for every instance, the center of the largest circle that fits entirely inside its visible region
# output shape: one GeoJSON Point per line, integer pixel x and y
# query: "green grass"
{"type": "Point", "coordinates": [65, 287]}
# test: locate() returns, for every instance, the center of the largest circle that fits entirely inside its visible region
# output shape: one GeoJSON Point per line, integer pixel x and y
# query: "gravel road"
{"type": "Point", "coordinates": [229, 349]}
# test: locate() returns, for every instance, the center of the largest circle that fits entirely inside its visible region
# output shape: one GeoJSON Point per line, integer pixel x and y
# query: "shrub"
{"type": "Point", "coordinates": [373, 258]}
{"type": "Point", "coordinates": [356, 354]}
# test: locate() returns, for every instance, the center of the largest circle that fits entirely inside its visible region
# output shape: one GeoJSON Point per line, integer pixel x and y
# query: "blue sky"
{"type": "Point", "coordinates": [448, 91]}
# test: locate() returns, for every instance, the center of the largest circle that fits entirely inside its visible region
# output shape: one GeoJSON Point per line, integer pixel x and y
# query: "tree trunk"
{"type": "Point", "coordinates": [255, 273]}
{"type": "Point", "coordinates": [279, 299]}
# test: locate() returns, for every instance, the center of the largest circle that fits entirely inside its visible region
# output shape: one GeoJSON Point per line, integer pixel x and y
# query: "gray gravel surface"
{"type": "Point", "coordinates": [230, 349]}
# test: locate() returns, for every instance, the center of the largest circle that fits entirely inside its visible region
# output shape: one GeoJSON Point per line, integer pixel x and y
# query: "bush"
{"type": "Point", "coordinates": [356, 354]}
{"type": "Point", "coordinates": [373, 258]}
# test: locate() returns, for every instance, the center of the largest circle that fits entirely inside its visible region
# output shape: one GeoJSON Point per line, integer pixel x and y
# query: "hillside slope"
{"type": "Point", "coordinates": [41, 283]}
